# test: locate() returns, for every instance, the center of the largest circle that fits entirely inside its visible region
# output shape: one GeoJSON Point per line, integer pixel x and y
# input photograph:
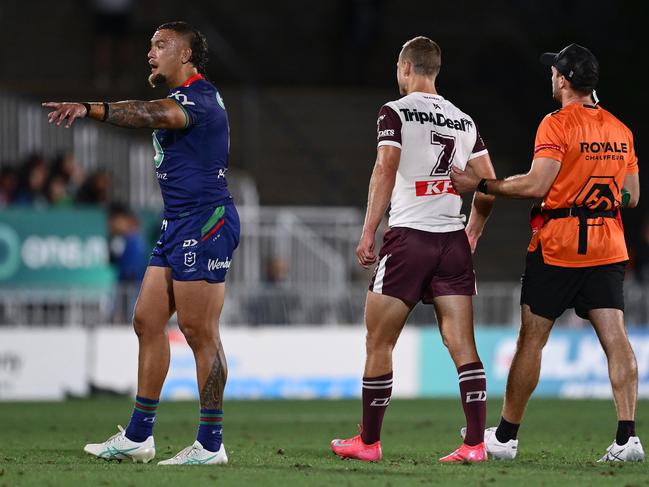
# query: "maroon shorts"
{"type": "Point", "coordinates": [418, 266]}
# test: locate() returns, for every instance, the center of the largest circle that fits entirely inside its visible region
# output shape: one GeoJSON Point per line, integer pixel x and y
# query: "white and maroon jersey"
{"type": "Point", "coordinates": [433, 134]}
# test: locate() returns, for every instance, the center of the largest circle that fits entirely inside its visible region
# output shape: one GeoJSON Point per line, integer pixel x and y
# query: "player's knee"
{"type": "Point", "coordinates": [462, 350]}
{"type": "Point", "coordinates": [532, 338]}
{"type": "Point", "coordinates": [456, 341]}
{"type": "Point", "coordinates": [139, 323]}
{"type": "Point", "coordinates": [626, 358]}
{"type": "Point", "coordinates": [376, 342]}
{"type": "Point", "coordinates": [198, 334]}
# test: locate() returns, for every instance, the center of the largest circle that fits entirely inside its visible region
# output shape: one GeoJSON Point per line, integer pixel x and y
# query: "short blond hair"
{"type": "Point", "coordinates": [424, 54]}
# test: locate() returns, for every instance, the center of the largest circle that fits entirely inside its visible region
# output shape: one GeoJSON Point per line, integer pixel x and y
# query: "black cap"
{"type": "Point", "coordinates": [576, 63]}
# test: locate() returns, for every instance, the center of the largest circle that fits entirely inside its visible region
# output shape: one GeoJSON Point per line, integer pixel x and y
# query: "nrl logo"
{"type": "Point", "coordinates": [190, 259]}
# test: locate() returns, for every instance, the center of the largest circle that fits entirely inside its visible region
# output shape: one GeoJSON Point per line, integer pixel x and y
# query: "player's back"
{"type": "Point", "coordinates": [433, 134]}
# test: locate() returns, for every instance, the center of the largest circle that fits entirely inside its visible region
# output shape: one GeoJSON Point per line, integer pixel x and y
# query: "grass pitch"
{"type": "Point", "coordinates": [285, 443]}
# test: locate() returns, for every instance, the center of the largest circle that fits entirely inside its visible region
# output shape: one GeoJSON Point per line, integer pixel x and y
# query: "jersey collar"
{"type": "Point", "coordinates": [439, 97]}
{"type": "Point", "coordinates": [196, 77]}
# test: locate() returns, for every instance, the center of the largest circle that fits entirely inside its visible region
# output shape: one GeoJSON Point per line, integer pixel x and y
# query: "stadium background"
{"type": "Point", "coordinates": [79, 208]}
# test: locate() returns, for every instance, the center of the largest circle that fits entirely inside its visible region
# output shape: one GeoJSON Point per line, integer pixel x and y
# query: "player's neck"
{"type": "Point", "coordinates": [570, 98]}
{"type": "Point", "coordinates": [181, 76]}
{"type": "Point", "coordinates": [422, 85]}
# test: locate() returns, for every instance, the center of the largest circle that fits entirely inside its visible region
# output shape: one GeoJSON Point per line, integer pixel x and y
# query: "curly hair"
{"type": "Point", "coordinates": [197, 43]}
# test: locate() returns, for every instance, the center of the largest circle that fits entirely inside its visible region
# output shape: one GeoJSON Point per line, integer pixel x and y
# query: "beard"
{"type": "Point", "coordinates": [556, 92]}
{"type": "Point", "coordinates": [157, 79]}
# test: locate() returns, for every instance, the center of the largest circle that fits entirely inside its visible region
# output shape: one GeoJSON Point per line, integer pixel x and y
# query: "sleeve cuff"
{"type": "Point", "coordinates": [389, 142]}
{"type": "Point", "coordinates": [549, 154]}
{"type": "Point", "coordinates": [188, 118]}
{"type": "Point", "coordinates": [483, 152]}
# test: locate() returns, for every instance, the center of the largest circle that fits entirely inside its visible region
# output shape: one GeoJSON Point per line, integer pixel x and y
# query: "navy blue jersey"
{"type": "Point", "coordinates": [191, 162]}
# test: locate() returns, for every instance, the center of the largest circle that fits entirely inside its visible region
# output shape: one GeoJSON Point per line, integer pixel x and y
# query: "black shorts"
{"type": "Point", "coordinates": [419, 266]}
{"type": "Point", "coordinates": [549, 290]}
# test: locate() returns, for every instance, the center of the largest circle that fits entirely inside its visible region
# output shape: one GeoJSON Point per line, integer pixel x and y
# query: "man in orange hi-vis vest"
{"type": "Point", "coordinates": [585, 169]}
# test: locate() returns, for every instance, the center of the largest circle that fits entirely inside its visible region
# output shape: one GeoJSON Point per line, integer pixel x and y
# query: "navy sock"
{"type": "Point", "coordinates": [210, 429]}
{"type": "Point", "coordinates": [141, 425]}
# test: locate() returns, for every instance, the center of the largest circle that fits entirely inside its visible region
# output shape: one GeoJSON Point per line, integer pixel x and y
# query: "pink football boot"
{"type": "Point", "coordinates": [466, 453]}
{"type": "Point", "coordinates": [356, 448]}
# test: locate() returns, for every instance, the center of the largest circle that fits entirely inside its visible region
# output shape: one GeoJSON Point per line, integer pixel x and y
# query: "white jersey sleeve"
{"type": "Point", "coordinates": [433, 134]}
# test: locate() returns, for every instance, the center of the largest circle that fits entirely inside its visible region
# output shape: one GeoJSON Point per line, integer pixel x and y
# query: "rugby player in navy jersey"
{"type": "Point", "coordinates": [200, 230]}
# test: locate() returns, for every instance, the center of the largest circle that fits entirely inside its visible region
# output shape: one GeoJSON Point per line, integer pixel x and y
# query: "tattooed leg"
{"type": "Point", "coordinates": [199, 304]}
{"type": "Point", "coordinates": [211, 392]}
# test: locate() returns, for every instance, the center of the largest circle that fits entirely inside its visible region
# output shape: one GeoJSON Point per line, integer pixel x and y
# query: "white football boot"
{"type": "Point", "coordinates": [119, 447]}
{"type": "Point", "coordinates": [630, 452]}
{"type": "Point", "coordinates": [197, 455]}
{"type": "Point", "coordinates": [497, 450]}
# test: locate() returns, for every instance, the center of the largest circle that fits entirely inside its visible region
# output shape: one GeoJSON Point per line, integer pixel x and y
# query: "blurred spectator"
{"type": "Point", "coordinates": [57, 195]}
{"type": "Point", "coordinates": [96, 189]}
{"type": "Point", "coordinates": [112, 50]}
{"type": "Point", "coordinates": [8, 185]}
{"type": "Point", "coordinates": [31, 186]}
{"type": "Point", "coordinates": [127, 247]}
{"type": "Point", "coordinates": [128, 255]}
{"type": "Point", "coordinates": [275, 301]}
{"type": "Point", "coordinates": [37, 184]}
{"type": "Point", "coordinates": [276, 271]}
{"type": "Point", "coordinates": [67, 167]}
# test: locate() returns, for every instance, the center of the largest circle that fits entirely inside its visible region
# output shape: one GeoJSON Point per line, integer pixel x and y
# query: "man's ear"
{"type": "Point", "coordinates": [407, 67]}
{"type": "Point", "coordinates": [186, 55]}
{"type": "Point", "coordinates": [563, 82]}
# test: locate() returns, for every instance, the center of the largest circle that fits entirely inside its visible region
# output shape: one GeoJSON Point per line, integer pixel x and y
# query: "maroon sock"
{"type": "Point", "coordinates": [473, 393]}
{"type": "Point", "coordinates": [376, 397]}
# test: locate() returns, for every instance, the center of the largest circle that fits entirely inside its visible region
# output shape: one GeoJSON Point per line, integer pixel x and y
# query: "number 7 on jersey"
{"type": "Point", "coordinates": [445, 158]}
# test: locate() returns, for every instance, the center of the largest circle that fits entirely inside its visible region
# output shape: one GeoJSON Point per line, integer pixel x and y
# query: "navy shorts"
{"type": "Point", "coordinates": [198, 247]}
{"type": "Point", "coordinates": [419, 266]}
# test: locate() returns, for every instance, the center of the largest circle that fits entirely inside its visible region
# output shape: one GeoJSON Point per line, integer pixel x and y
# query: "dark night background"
{"type": "Point", "coordinates": [303, 81]}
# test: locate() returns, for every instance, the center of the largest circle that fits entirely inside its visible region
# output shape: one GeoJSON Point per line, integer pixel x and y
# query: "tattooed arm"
{"type": "Point", "coordinates": [156, 114]}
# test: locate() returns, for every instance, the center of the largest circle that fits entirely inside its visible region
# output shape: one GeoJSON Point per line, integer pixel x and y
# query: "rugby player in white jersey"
{"type": "Point", "coordinates": [426, 253]}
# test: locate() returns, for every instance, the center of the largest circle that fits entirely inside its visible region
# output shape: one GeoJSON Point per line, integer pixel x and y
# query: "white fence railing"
{"type": "Point", "coordinates": [496, 304]}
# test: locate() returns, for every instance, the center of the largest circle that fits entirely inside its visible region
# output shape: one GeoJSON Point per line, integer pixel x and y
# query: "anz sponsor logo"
{"type": "Point", "coordinates": [162, 176]}
{"type": "Point", "coordinates": [216, 264]}
{"type": "Point", "coordinates": [437, 119]}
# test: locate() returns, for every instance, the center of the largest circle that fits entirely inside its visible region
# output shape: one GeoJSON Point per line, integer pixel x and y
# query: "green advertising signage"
{"type": "Point", "coordinates": [59, 249]}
